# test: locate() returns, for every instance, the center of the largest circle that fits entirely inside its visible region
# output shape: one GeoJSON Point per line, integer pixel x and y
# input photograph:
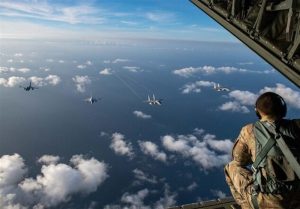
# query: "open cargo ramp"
{"type": "Point", "coordinates": [226, 203]}
{"type": "Point", "coordinates": [271, 28]}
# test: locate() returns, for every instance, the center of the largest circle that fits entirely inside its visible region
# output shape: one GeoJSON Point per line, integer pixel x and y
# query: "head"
{"type": "Point", "coordinates": [270, 105]}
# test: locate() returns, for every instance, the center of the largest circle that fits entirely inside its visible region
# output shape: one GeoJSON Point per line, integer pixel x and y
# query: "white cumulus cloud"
{"type": "Point", "coordinates": [56, 184]}
{"type": "Point", "coordinates": [53, 79]}
{"type": "Point", "coordinates": [149, 148]}
{"type": "Point", "coordinates": [118, 60]}
{"type": "Point", "coordinates": [12, 81]}
{"type": "Point", "coordinates": [49, 80]}
{"type": "Point", "coordinates": [136, 200]}
{"type": "Point", "coordinates": [190, 71]}
{"type": "Point", "coordinates": [132, 69]}
{"type": "Point", "coordinates": [205, 150]}
{"type": "Point", "coordinates": [49, 159]}
{"type": "Point", "coordinates": [234, 106]}
{"type": "Point", "coordinates": [81, 82]}
{"type": "Point", "coordinates": [106, 71]}
{"type": "Point", "coordinates": [24, 70]}
{"type": "Point", "coordinates": [244, 97]}
{"type": "Point", "coordinates": [144, 177]}
{"type": "Point", "coordinates": [142, 115]}
{"type": "Point", "coordinates": [81, 66]}
{"type": "Point", "coordinates": [196, 86]}
{"type": "Point", "coordinates": [120, 146]}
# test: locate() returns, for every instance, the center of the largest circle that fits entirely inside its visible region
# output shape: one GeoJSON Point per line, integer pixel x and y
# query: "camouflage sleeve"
{"type": "Point", "coordinates": [241, 152]}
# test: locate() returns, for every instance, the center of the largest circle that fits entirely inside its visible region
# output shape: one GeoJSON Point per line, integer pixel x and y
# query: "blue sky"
{"type": "Point", "coordinates": [176, 19]}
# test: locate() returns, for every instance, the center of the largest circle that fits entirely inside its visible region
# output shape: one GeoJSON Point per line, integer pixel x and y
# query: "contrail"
{"type": "Point", "coordinates": [128, 86]}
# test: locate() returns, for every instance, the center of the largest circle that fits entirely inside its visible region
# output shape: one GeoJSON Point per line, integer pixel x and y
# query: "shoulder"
{"type": "Point", "coordinates": [247, 131]}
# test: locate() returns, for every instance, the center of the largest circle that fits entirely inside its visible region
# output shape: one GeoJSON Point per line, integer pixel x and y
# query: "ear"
{"type": "Point", "coordinates": [257, 113]}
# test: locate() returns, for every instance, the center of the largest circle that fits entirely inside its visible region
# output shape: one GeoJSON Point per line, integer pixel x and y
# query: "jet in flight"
{"type": "Point", "coordinates": [153, 101]}
{"type": "Point", "coordinates": [217, 87]}
{"type": "Point", "coordinates": [92, 100]}
{"type": "Point", "coordinates": [28, 88]}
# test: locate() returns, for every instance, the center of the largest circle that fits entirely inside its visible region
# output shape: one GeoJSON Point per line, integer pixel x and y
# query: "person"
{"type": "Point", "coordinates": [271, 110]}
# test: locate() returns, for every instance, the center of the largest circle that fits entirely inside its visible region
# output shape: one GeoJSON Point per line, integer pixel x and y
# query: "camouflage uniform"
{"type": "Point", "coordinates": [239, 177]}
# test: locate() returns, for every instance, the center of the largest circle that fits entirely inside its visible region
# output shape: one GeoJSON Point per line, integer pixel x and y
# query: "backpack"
{"type": "Point", "coordinates": [276, 169]}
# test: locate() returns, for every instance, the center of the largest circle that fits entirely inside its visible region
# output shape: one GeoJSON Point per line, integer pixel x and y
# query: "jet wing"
{"type": "Point", "coordinates": [270, 28]}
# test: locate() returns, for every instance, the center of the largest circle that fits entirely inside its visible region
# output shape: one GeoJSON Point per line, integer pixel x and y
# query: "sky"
{"type": "Point", "coordinates": [96, 19]}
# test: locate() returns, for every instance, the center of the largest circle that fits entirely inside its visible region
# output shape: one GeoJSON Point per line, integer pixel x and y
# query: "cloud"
{"type": "Point", "coordinates": [81, 66]}
{"type": "Point", "coordinates": [18, 55]}
{"type": "Point", "coordinates": [89, 62]}
{"type": "Point", "coordinates": [244, 97]}
{"type": "Point", "coordinates": [190, 71]}
{"type": "Point", "coordinates": [192, 186]}
{"type": "Point", "coordinates": [246, 63]}
{"type": "Point", "coordinates": [151, 149]}
{"type": "Point", "coordinates": [195, 87]}
{"type": "Point", "coordinates": [6, 69]}
{"type": "Point", "coordinates": [55, 185]}
{"type": "Point", "coordinates": [144, 177]}
{"type": "Point", "coordinates": [12, 81]}
{"type": "Point", "coordinates": [24, 70]}
{"type": "Point", "coordinates": [136, 200]}
{"type": "Point", "coordinates": [49, 80]}
{"type": "Point", "coordinates": [129, 23]}
{"type": "Point", "coordinates": [53, 79]}
{"type": "Point", "coordinates": [161, 17]}
{"type": "Point", "coordinates": [106, 71]}
{"type": "Point", "coordinates": [132, 69]}
{"type": "Point", "coordinates": [11, 69]}
{"type": "Point", "coordinates": [38, 81]}
{"type": "Point", "coordinates": [291, 96]}
{"type": "Point", "coordinates": [49, 60]}
{"type": "Point", "coordinates": [205, 150]}
{"type": "Point", "coordinates": [81, 82]}
{"type": "Point", "coordinates": [43, 11]}
{"type": "Point", "coordinates": [142, 115]}
{"type": "Point", "coordinates": [118, 60]}
{"type": "Point", "coordinates": [120, 146]}
{"type": "Point", "coordinates": [218, 193]}
{"type": "Point", "coordinates": [234, 107]}
{"type": "Point", "coordinates": [49, 159]}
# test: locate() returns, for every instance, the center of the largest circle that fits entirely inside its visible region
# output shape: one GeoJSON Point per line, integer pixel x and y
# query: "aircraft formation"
{"type": "Point", "coordinates": [151, 101]}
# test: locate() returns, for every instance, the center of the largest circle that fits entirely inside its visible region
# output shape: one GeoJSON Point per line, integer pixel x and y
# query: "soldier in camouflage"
{"type": "Point", "coordinates": [238, 174]}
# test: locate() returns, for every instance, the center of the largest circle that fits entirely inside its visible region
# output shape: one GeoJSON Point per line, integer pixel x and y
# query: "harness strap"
{"type": "Point", "coordinates": [254, 201]}
{"type": "Point", "coordinates": [266, 147]}
{"type": "Point", "coordinates": [262, 133]}
{"type": "Point", "coordinates": [285, 150]}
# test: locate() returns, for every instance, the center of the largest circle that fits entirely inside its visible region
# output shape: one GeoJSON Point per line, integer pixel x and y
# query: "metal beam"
{"type": "Point", "coordinates": [266, 54]}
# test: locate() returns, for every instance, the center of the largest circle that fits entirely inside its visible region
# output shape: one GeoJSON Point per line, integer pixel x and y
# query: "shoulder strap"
{"type": "Point", "coordinates": [261, 129]}
{"type": "Point", "coordinates": [260, 133]}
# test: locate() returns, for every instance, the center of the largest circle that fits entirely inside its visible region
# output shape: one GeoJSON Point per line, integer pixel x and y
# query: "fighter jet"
{"type": "Point", "coordinates": [217, 87]}
{"type": "Point", "coordinates": [92, 100]}
{"type": "Point", "coordinates": [28, 88]}
{"type": "Point", "coordinates": [154, 101]}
